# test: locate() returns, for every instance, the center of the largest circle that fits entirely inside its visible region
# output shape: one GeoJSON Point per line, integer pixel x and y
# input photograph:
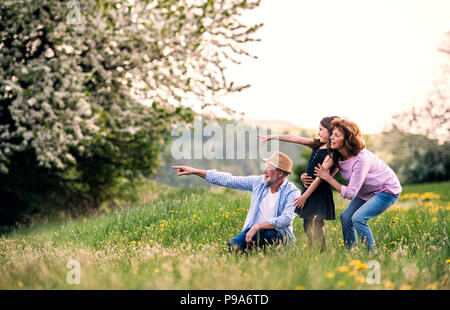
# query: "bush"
{"type": "Point", "coordinates": [417, 158]}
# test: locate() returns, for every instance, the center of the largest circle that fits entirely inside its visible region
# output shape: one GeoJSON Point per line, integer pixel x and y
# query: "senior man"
{"type": "Point", "coordinates": [271, 213]}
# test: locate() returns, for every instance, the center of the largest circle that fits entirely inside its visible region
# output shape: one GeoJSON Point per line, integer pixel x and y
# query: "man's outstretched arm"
{"type": "Point", "coordinates": [220, 178]}
{"type": "Point", "coordinates": [185, 170]}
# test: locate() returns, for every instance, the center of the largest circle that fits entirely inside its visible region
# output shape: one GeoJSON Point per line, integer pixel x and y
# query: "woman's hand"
{"type": "Point", "coordinates": [321, 172]}
{"type": "Point", "coordinates": [265, 138]}
{"type": "Point", "coordinates": [300, 201]}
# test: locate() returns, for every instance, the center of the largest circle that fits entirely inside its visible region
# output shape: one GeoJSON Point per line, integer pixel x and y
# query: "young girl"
{"type": "Point", "coordinates": [316, 202]}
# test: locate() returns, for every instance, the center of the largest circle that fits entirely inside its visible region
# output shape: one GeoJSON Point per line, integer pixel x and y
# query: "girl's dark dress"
{"type": "Point", "coordinates": [321, 201]}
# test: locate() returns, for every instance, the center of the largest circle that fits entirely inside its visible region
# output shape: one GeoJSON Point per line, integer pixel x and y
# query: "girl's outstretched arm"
{"type": "Point", "coordinates": [301, 200]}
{"type": "Point", "coordinates": [288, 138]}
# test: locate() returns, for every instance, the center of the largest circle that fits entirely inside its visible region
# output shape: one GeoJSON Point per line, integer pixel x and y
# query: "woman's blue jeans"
{"type": "Point", "coordinates": [354, 218]}
{"type": "Point", "coordinates": [262, 238]}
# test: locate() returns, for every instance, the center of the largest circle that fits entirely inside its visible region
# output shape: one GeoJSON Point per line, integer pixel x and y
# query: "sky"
{"type": "Point", "coordinates": [359, 59]}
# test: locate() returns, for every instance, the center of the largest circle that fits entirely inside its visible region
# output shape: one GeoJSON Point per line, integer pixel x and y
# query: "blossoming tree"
{"type": "Point", "coordinates": [89, 89]}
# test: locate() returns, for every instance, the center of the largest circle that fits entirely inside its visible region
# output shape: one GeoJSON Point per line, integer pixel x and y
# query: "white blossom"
{"type": "Point", "coordinates": [143, 55]}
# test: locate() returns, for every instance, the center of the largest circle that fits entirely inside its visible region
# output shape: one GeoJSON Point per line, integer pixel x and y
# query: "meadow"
{"type": "Point", "coordinates": [176, 239]}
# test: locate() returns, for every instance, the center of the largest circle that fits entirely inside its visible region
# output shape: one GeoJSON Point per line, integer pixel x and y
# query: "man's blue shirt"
{"type": "Point", "coordinates": [284, 207]}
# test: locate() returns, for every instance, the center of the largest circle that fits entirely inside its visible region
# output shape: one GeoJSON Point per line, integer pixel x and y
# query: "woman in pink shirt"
{"type": "Point", "coordinates": [372, 185]}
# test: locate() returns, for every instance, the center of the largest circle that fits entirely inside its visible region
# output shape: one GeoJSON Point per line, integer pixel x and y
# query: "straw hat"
{"type": "Point", "coordinates": [280, 161]}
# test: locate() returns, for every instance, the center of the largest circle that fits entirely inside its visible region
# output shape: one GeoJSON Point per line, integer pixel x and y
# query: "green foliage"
{"type": "Point", "coordinates": [416, 158]}
{"type": "Point", "coordinates": [300, 168]}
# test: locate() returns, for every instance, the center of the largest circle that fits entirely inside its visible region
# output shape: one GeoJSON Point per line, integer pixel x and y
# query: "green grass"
{"type": "Point", "coordinates": [441, 188]}
{"type": "Point", "coordinates": [176, 239]}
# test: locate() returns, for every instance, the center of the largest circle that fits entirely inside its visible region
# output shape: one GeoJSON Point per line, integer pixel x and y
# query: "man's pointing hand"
{"type": "Point", "coordinates": [185, 170]}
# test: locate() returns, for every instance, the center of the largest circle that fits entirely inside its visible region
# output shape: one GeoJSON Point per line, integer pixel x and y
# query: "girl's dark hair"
{"type": "Point", "coordinates": [353, 141]}
{"type": "Point", "coordinates": [325, 122]}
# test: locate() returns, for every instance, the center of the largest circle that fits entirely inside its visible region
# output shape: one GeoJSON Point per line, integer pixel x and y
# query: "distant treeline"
{"type": "Point", "coordinates": [414, 158]}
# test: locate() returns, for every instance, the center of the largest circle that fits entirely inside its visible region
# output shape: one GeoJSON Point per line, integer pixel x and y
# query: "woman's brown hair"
{"type": "Point", "coordinates": [325, 122]}
{"type": "Point", "coordinates": [353, 141]}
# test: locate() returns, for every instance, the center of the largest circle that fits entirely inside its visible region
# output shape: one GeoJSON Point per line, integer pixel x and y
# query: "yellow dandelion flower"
{"type": "Point", "coordinates": [361, 267]}
{"type": "Point", "coordinates": [431, 286]}
{"type": "Point", "coordinates": [163, 221]}
{"type": "Point", "coordinates": [447, 261]}
{"type": "Point", "coordinates": [341, 283]}
{"type": "Point", "coordinates": [405, 287]}
{"type": "Point", "coordinates": [354, 262]}
{"type": "Point", "coordinates": [300, 287]}
{"type": "Point", "coordinates": [132, 242]}
{"type": "Point", "coordinates": [409, 196]}
{"type": "Point", "coordinates": [156, 270]}
{"type": "Point", "coordinates": [434, 219]}
{"type": "Point", "coordinates": [342, 269]}
{"type": "Point", "coordinates": [352, 273]}
{"type": "Point", "coordinates": [360, 280]}
{"type": "Point", "coordinates": [20, 284]}
{"type": "Point", "coordinates": [125, 231]}
{"type": "Point", "coordinates": [430, 195]}
{"type": "Point", "coordinates": [389, 285]}
{"type": "Point", "coordinates": [330, 275]}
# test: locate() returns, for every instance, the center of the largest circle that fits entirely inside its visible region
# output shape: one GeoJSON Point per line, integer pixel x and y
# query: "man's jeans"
{"type": "Point", "coordinates": [262, 238]}
{"type": "Point", "coordinates": [358, 212]}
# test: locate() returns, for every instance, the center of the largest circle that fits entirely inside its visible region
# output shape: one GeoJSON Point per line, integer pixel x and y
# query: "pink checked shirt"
{"type": "Point", "coordinates": [367, 175]}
